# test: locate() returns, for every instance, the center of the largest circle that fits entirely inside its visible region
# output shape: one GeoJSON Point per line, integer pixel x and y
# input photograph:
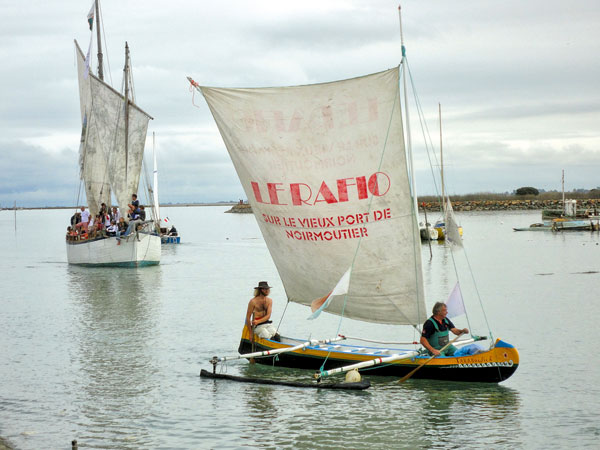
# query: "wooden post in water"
{"type": "Point", "coordinates": [74, 444]}
{"type": "Point", "coordinates": [15, 217]}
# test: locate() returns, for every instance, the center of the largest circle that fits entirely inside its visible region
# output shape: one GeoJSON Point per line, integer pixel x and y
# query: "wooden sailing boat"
{"type": "Point", "coordinates": [111, 152]}
{"type": "Point", "coordinates": [327, 172]}
{"type": "Point", "coordinates": [446, 206]}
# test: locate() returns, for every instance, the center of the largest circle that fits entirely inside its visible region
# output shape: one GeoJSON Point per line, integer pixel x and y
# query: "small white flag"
{"type": "Point", "coordinates": [455, 304]}
{"type": "Point", "coordinates": [341, 288]}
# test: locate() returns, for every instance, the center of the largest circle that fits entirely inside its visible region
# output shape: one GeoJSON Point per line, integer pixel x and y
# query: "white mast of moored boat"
{"type": "Point", "coordinates": [563, 193]}
{"type": "Point", "coordinates": [155, 184]}
{"type": "Point", "coordinates": [442, 160]}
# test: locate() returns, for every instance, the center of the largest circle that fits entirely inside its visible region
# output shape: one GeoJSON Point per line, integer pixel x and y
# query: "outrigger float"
{"type": "Point", "coordinates": [273, 353]}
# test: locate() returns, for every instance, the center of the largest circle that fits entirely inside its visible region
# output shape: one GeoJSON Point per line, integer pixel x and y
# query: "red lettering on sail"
{"type": "Point", "coordinates": [300, 194]}
{"type": "Point", "coordinates": [374, 184]}
{"type": "Point", "coordinates": [272, 188]}
{"type": "Point", "coordinates": [256, 191]}
{"type": "Point", "coordinates": [326, 193]}
{"type": "Point", "coordinates": [327, 116]}
{"type": "Point", "coordinates": [359, 182]}
{"type": "Point", "coordinates": [297, 198]}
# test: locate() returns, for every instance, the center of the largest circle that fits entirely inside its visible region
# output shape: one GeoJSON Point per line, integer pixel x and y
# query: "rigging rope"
{"type": "Point", "coordinates": [427, 138]}
{"type": "Point", "coordinates": [282, 315]}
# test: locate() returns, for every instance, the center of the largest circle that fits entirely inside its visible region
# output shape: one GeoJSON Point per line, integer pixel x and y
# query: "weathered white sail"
{"type": "Point", "coordinates": [325, 171]}
{"type": "Point", "coordinates": [92, 157]}
{"type": "Point", "coordinates": [125, 166]}
{"type": "Point", "coordinates": [452, 231]}
{"type": "Point", "coordinates": [105, 157]}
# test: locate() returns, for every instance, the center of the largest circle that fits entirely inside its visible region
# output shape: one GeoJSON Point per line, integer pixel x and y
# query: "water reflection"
{"type": "Point", "coordinates": [417, 414]}
{"type": "Point", "coordinates": [448, 413]}
{"type": "Point", "coordinates": [117, 328]}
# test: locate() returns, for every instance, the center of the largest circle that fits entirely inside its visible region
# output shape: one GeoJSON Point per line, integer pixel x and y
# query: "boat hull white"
{"type": "Point", "coordinates": [105, 251]}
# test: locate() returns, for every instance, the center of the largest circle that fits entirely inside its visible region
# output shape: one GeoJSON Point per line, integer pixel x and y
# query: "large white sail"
{"type": "Point", "coordinates": [92, 157]}
{"type": "Point", "coordinates": [325, 171]}
{"type": "Point", "coordinates": [106, 141]}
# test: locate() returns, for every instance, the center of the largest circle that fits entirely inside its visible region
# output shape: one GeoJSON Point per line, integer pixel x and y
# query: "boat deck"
{"type": "Point", "coordinates": [369, 351]}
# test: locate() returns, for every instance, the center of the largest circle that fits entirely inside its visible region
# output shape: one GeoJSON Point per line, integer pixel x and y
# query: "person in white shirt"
{"type": "Point", "coordinates": [85, 218]}
{"type": "Point", "coordinates": [112, 228]}
{"type": "Point", "coordinates": [116, 215]}
{"type": "Point", "coordinates": [106, 217]}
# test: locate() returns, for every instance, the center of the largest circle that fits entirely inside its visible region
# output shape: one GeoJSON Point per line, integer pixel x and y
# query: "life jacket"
{"type": "Point", "coordinates": [440, 338]}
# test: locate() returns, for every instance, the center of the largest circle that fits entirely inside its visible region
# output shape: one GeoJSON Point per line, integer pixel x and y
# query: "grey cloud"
{"type": "Point", "coordinates": [517, 81]}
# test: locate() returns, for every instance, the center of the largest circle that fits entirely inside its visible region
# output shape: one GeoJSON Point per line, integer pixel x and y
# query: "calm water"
{"type": "Point", "coordinates": [111, 357]}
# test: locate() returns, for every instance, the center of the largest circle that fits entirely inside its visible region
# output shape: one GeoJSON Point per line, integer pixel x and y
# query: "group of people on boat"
{"type": "Point", "coordinates": [107, 223]}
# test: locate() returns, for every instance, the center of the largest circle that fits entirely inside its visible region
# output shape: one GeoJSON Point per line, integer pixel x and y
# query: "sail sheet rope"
{"type": "Point", "coordinates": [430, 152]}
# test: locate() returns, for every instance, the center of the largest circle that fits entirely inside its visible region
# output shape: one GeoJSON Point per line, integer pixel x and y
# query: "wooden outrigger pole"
{"type": "Point", "coordinates": [362, 365]}
{"type": "Point", "coordinates": [215, 359]}
{"type": "Point", "coordinates": [377, 361]}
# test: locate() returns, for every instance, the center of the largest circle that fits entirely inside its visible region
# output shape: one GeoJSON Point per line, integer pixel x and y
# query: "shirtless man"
{"type": "Point", "coordinates": [259, 313]}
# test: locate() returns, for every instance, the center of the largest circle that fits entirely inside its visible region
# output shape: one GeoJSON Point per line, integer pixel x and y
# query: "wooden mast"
{"type": "Point", "coordinates": [126, 78]}
{"type": "Point", "coordinates": [100, 70]}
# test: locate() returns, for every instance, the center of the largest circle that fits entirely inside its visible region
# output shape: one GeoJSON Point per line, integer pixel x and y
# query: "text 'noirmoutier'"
{"type": "Point", "coordinates": [328, 228]}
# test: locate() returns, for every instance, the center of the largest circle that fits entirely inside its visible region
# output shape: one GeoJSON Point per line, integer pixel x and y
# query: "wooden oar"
{"type": "Point", "coordinates": [412, 372]}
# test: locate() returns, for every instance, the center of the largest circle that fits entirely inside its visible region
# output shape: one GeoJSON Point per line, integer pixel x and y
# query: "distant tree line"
{"type": "Point", "coordinates": [577, 194]}
{"type": "Point", "coordinates": [528, 190]}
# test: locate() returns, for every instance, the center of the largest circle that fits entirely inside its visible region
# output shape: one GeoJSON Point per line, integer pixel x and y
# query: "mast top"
{"type": "Point", "coordinates": [100, 56]}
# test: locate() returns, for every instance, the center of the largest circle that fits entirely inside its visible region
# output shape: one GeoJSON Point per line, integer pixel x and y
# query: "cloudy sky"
{"type": "Point", "coordinates": [518, 82]}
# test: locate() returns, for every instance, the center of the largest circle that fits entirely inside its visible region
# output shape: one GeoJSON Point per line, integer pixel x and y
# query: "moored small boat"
{"type": "Point", "coordinates": [563, 224]}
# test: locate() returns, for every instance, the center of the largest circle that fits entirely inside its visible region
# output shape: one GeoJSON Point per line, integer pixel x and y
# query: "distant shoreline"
{"type": "Point", "coordinates": [458, 205]}
{"type": "Point", "coordinates": [168, 205]}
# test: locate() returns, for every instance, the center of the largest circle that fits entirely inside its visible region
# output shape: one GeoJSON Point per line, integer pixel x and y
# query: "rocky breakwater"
{"type": "Point", "coordinates": [240, 208]}
{"type": "Point", "coordinates": [478, 205]}
{"type": "Point", "coordinates": [510, 205]}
